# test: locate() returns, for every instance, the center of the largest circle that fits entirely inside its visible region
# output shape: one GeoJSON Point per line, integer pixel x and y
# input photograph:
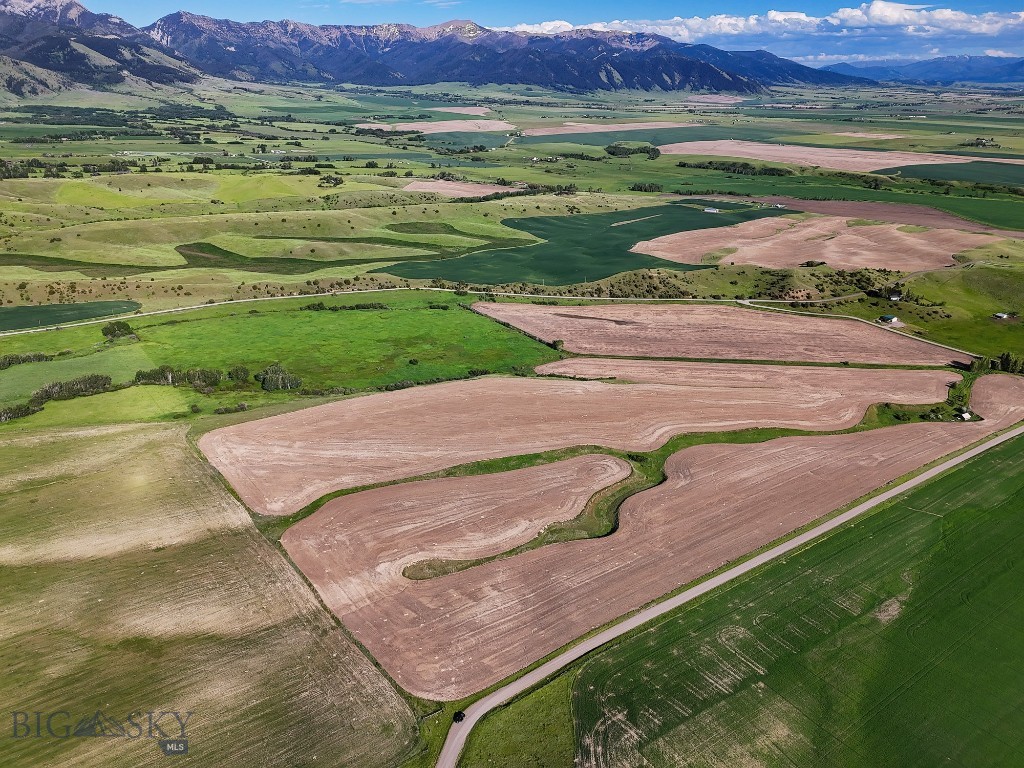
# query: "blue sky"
{"type": "Point", "coordinates": [814, 31]}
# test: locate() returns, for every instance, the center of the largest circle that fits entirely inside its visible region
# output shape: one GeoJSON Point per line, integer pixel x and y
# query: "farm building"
{"type": "Point", "coordinates": [890, 319]}
{"type": "Point", "coordinates": [711, 210]}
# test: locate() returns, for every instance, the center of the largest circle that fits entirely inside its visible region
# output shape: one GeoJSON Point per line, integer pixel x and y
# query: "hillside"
{"type": "Point", "coordinates": [100, 50]}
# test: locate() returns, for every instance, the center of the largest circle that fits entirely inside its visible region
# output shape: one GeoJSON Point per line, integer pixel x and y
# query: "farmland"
{"type": "Point", "coordinates": [840, 243]}
{"type": "Point", "coordinates": [578, 248]}
{"type": "Point", "coordinates": [895, 611]}
{"type": "Point", "coordinates": [460, 422]}
{"type": "Point", "coordinates": [704, 331]}
{"type": "Point", "coordinates": [134, 510]}
{"type": "Point", "coordinates": [384, 421]}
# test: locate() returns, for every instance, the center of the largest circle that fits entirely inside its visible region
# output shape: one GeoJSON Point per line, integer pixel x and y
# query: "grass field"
{"type": "Point", "coordinates": [133, 581]}
{"type": "Point", "coordinates": [957, 309]}
{"type": "Point", "coordinates": [355, 349]}
{"type": "Point", "coordinates": [846, 653]}
{"type": "Point", "coordinates": [581, 247]}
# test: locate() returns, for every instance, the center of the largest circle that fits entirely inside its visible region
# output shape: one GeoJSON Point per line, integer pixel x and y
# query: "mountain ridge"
{"type": "Point", "coordinates": [99, 50]}
{"type": "Point", "coordinates": [939, 70]}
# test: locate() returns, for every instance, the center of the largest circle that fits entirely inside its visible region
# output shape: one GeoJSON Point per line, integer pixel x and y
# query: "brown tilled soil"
{"type": "Point", "coordinates": [456, 188]}
{"type": "Point", "coordinates": [477, 111]}
{"type": "Point", "coordinates": [387, 529]}
{"type": "Point", "coordinates": [443, 126]}
{"type": "Point", "coordinates": [281, 463]}
{"type": "Point", "coordinates": [704, 331]}
{"type": "Point", "coordinates": [897, 213]}
{"type": "Point", "coordinates": [785, 243]}
{"type": "Point", "coordinates": [448, 637]}
{"type": "Point", "coordinates": [570, 128]}
{"type": "Point", "coordinates": [859, 160]}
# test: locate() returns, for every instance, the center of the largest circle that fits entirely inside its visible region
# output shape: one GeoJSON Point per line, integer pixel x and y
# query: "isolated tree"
{"type": "Point", "coordinates": [117, 329]}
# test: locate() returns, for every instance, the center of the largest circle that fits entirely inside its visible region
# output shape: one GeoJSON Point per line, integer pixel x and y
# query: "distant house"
{"type": "Point", "coordinates": [890, 319]}
{"type": "Point", "coordinates": [966, 416]}
{"type": "Point", "coordinates": [711, 210]}
{"type": "Point", "coordinates": [1000, 315]}
{"type": "Point", "coordinates": [895, 297]}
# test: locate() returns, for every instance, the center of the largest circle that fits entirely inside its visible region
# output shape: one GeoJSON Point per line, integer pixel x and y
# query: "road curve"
{"type": "Point", "coordinates": [459, 732]}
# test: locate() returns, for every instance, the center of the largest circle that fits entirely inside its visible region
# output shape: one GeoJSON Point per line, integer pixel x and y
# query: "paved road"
{"type": "Point", "coordinates": [456, 740]}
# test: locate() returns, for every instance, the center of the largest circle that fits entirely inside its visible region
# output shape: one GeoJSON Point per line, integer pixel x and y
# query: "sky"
{"type": "Point", "coordinates": [811, 31]}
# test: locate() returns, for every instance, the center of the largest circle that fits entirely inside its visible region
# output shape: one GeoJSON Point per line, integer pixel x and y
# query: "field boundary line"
{"type": "Point", "coordinates": [751, 303]}
{"type": "Point", "coordinates": [191, 307]}
{"type": "Point", "coordinates": [458, 734]}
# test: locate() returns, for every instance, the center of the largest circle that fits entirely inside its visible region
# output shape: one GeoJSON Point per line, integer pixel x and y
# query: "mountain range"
{"type": "Point", "coordinates": [942, 70]}
{"type": "Point", "coordinates": [47, 42]}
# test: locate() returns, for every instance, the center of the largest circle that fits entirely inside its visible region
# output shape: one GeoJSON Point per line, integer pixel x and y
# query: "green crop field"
{"type": "Point", "coordinates": [581, 248]}
{"type": "Point", "coordinates": [12, 318]}
{"type": "Point", "coordinates": [889, 643]}
{"type": "Point", "coordinates": [980, 172]}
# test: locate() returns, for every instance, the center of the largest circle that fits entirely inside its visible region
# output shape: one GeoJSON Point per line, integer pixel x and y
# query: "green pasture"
{"type": "Point", "coordinates": [13, 318]}
{"type": "Point", "coordinates": [846, 653]}
{"type": "Point", "coordinates": [18, 382]}
{"type": "Point", "coordinates": [957, 309]}
{"type": "Point", "coordinates": [357, 349]}
{"type": "Point", "coordinates": [580, 247]}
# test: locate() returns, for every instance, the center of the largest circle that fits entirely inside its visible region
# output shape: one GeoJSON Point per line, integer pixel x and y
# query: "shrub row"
{"type": "Point", "coordinates": [6, 361]}
{"type": "Point", "coordinates": [91, 384]}
{"type": "Point", "coordinates": [19, 411]}
{"type": "Point", "coordinates": [319, 306]}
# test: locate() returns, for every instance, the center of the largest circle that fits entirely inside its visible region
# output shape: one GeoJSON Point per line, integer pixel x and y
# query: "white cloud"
{"type": "Point", "coordinates": [881, 21]}
{"type": "Point", "coordinates": [1001, 54]}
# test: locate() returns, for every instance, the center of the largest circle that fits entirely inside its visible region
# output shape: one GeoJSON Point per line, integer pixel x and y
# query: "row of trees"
{"type": "Point", "coordinates": [1007, 361]}
{"type": "Point", "coordinates": [273, 377]}
{"type": "Point", "coordinates": [736, 166]}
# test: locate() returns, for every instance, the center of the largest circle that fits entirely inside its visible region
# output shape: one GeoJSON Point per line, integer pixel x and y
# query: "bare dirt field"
{"type": "Point", "coordinates": [447, 637]}
{"type": "Point", "coordinates": [897, 213]}
{"type": "Point", "coordinates": [455, 188]}
{"type": "Point", "coordinates": [702, 331]}
{"type": "Point", "coordinates": [859, 160]}
{"type": "Point", "coordinates": [570, 128]}
{"type": "Point", "coordinates": [477, 111]}
{"type": "Point", "coordinates": [282, 463]}
{"type": "Point", "coordinates": [443, 126]}
{"type": "Point", "coordinates": [784, 243]}
{"type": "Point", "coordinates": [387, 529]}
{"type": "Point", "coordinates": [863, 135]}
